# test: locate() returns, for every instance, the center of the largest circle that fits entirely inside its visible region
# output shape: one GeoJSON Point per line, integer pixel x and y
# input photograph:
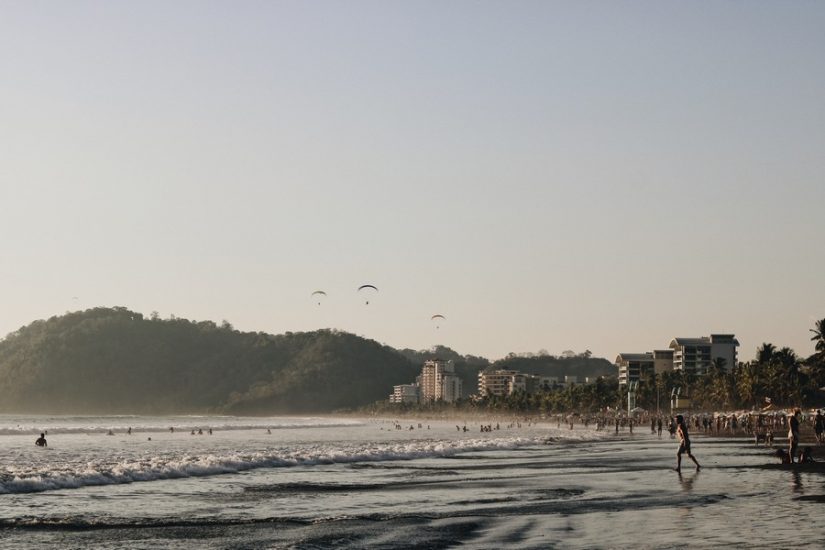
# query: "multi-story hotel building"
{"type": "Point", "coordinates": [662, 360]}
{"type": "Point", "coordinates": [690, 355]}
{"type": "Point", "coordinates": [496, 382]}
{"type": "Point", "coordinates": [506, 382]}
{"type": "Point", "coordinates": [694, 355]}
{"type": "Point", "coordinates": [404, 393]}
{"type": "Point", "coordinates": [438, 382]}
{"type": "Point", "coordinates": [634, 366]}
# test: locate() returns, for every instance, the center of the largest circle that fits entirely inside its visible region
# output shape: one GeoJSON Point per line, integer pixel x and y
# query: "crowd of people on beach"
{"type": "Point", "coordinates": [760, 425]}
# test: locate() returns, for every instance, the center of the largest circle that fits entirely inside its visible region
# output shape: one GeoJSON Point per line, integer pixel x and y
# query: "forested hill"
{"type": "Point", "coordinates": [112, 360]}
{"type": "Point", "coordinates": [115, 361]}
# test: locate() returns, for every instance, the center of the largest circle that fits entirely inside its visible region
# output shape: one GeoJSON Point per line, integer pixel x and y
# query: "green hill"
{"type": "Point", "coordinates": [115, 361]}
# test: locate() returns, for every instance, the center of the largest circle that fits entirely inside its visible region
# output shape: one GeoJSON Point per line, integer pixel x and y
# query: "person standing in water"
{"type": "Point", "coordinates": [793, 435]}
{"type": "Point", "coordinates": [41, 441]}
{"type": "Point", "coordinates": [684, 443]}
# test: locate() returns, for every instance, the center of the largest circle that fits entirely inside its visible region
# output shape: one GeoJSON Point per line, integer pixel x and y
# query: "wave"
{"type": "Point", "coordinates": [104, 472]}
{"type": "Point", "coordinates": [121, 424]}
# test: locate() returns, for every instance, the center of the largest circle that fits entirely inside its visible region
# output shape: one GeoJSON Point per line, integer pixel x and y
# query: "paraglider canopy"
{"type": "Point", "coordinates": [319, 293]}
{"type": "Point", "coordinates": [437, 316]}
{"type": "Point", "coordinates": [370, 287]}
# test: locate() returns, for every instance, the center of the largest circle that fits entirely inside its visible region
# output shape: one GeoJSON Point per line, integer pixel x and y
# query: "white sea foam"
{"type": "Point", "coordinates": [83, 470]}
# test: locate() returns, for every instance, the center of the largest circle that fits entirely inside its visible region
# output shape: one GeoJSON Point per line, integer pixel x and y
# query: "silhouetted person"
{"type": "Point", "coordinates": [793, 434]}
{"type": "Point", "coordinates": [819, 426]}
{"type": "Point", "coordinates": [41, 441]}
{"type": "Point", "coordinates": [684, 443]}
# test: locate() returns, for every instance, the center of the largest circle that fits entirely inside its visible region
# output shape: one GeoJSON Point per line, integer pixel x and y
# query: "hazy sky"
{"type": "Point", "coordinates": [558, 175]}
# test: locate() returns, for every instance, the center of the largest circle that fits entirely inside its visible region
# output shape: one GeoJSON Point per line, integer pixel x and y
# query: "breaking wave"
{"type": "Point", "coordinates": [98, 472]}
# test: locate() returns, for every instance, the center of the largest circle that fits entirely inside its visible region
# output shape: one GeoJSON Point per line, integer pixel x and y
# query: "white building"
{"type": "Point", "coordinates": [438, 382]}
{"type": "Point", "coordinates": [507, 382]}
{"type": "Point", "coordinates": [405, 393]}
{"type": "Point", "coordinates": [450, 388]}
{"type": "Point", "coordinates": [496, 382]}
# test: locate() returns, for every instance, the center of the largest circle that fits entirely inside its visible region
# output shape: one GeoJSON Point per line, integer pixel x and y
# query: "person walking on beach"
{"type": "Point", "coordinates": [793, 435]}
{"type": "Point", "coordinates": [41, 441]}
{"type": "Point", "coordinates": [819, 426]}
{"type": "Point", "coordinates": [684, 443]}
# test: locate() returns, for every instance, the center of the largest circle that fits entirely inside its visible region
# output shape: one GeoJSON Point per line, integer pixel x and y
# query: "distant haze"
{"type": "Point", "coordinates": [546, 175]}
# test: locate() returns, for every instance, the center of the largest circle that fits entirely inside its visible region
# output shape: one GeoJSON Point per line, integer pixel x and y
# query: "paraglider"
{"type": "Point", "coordinates": [437, 316]}
{"type": "Point", "coordinates": [318, 293]}
{"type": "Point", "coordinates": [362, 287]}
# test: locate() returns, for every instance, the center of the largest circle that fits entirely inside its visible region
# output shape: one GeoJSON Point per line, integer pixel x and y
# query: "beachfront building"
{"type": "Point", "coordinates": [438, 382]}
{"type": "Point", "coordinates": [450, 388]}
{"type": "Point", "coordinates": [633, 367]}
{"type": "Point", "coordinates": [405, 393]}
{"type": "Point", "coordinates": [507, 382]}
{"type": "Point", "coordinates": [530, 383]}
{"type": "Point", "coordinates": [495, 382]}
{"type": "Point", "coordinates": [694, 355]}
{"type": "Point", "coordinates": [662, 360]}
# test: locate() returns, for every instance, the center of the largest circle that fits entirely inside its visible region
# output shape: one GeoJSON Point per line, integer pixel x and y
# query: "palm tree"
{"type": "Point", "coordinates": [605, 392]}
{"type": "Point", "coordinates": [819, 337]}
{"type": "Point", "coordinates": [817, 361]}
{"type": "Point", "coordinates": [716, 382]}
{"type": "Point", "coordinates": [719, 365]}
{"type": "Point", "coordinates": [646, 392]}
{"type": "Point", "coordinates": [750, 383]}
{"type": "Point", "coordinates": [784, 376]}
{"type": "Point", "coordinates": [764, 353]}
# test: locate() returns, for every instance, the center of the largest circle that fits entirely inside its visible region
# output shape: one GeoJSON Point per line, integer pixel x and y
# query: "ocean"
{"type": "Point", "coordinates": [363, 483]}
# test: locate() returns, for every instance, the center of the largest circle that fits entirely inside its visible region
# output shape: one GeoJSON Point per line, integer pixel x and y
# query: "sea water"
{"type": "Point", "coordinates": [364, 483]}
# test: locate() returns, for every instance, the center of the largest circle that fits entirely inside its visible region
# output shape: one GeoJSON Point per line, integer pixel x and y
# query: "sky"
{"type": "Point", "coordinates": [546, 175]}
